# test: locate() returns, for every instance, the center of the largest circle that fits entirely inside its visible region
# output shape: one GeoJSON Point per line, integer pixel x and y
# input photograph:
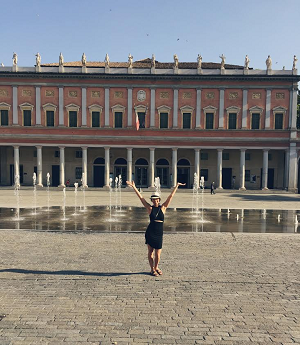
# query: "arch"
{"type": "Point", "coordinates": [141, 161]}
{"type": "Point", "coordinates": [183, 162]}
{"type": "Point", "coordinates": [99, 160]}
{"type": "Point", "coordinates": [122, 161]}
{"type": "Point", "coordinates": [162, 161]}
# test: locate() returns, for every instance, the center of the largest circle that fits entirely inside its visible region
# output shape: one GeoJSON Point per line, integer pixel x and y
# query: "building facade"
{"type": "Point", "coordinates": [78, 121]}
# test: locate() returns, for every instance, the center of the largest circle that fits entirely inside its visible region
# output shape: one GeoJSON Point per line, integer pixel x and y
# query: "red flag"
{"type": "Point", "coordinates": [137, 122]}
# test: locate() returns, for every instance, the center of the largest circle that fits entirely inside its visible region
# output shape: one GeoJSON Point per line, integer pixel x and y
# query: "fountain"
{"type": "Point", "coordinates": [75, 201]}
{"type": "Point", "coordinates": [278, 218]}
{"type": "Point", "coordinates": [48, 191]}
{"type": "Point", "coordinates": [34, 192]}
{"type": "Point", "coordinates": [119, 190]}
{"type": "Point", "coordinates": [195, 205]}
{"type": "Point", "coordinates": [17, 194]}
{"type": "Point", "coordinates": [202, 186]}
{"type": "Point", "coordinates": [157, 185]}
{"type": "Point", "coordinates": [83, 186]}
{"type": "Point", "coordinates": [64, 204]}
{"type": "Point", "coordinates": [110, 197]}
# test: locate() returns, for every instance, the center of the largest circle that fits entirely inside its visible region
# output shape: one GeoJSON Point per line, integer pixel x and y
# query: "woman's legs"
{"type": "Point", "coordinates": [157, 258]}
{"type": "Point", "coordinates": [150, 257]}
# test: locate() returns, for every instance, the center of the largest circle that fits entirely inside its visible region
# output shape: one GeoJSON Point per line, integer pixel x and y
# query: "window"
{"type": "Point", "coordinates": [78, 154]}
{"type": "Point", "coordinates": [35, 153]}
{"type": "Point", "coordinates": [255, 121]}
{"type": "Point", "coordinates": [95, 119]}
{"type": "Point", "coordinates": [204, 172]}
{"type": "Point", "coordinates": [50, 118]}
{"type": "Point", "coordinates": [232, 121]}
{"type": "Point", "coordinates": [225, 156]}
{"type": "Point", "coordinates": [204, 156]}
{"type": "Point", "coordinates": [270, 157]}
{"type": "Point", "coordinates": [247, 156]}
{"type": "Point", "coordinates": [27, 117]}
{"type": "Point", "coordinates": [118, 119]}
{"type": "Point", "coordinates": [78, 173]}
{"type": "Point", "coordinates": [141, 119]}
{"type": "Point", "coordinates": [278, 121]}
{"type": "Point", "coordinates": [72, 118]}
{"type": "Point", "coordinates": [186, 120]}
{"type": "Point", "coordinates": [209, 120]}
{"type": "Point", "coordinates": [164, 123]}
{"type": "Point", "coordinates": [247, 175]}
{"type": "Point", "coordinates": [4, 118]}
{"type": "Point", "coordinates": [57, 154]}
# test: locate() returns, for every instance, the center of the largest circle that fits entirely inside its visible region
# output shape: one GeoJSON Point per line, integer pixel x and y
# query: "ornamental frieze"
{"type": "Point", "coordinates": [210, 95]}
{"type": "Point", "coordinates": [72, 93]}
{"type": "Point", "coordinates": [187, 95]}
{"type": "Point", "coordinates": [95, 94]}
{"type": "Point", "coordinates": [118, 94]}
{"type": "Point", "coordinates": [233, 95]}
{"type": "Point", "coordinates": [4, 93]}
{"type": "Point", "coordinates": [26, 92]}
{"type": "Point", "coordinates": [256, 95]}
{"type": "Point", "coordinates": [164, 95]}
{"type": "Point", "coordinates": [49, 93]}
{"type": "Point", "coordinates": [280, 95]}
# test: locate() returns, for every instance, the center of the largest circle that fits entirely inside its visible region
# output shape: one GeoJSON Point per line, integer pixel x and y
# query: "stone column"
{"type": "Point", "coordinates": [106, 106]}
{"type": "Point", "coordinates": [268, 110]}
{"type": "Point", "coordinates": [83, 107]}
{"type": "Point", "coordinates": [16, 162]}
{"type": "Point", "coordinates": [197, 163]}
{"type": "Point", "coordinates": [107, 167]}
{"type": "Point", "coordinates": [61, 106]}
{"type": "Point", "coordinates": [264, 184]}
{"type": "Point", "coordinates": [294, 109]}
{"type": "Point", "coordinates": [39, 166]}
{"type": "Point", "coordinates": [38, 117]}
{"type": "Point", "coordinates": [152, 109]}
{"type": "Point", "coordinates": [151, 166]}
{"type": "Point", "coordinates": [15, 106]}
{"type": "Point", "coordinates": [286, 168]}
{"type": "Point", "coordinates": [198, 109]}
{"type": "Point", "coordinates": [293, 168]}
{"type": "Point", "coordinates": [221, 109]}
{"type": "Point", "coordinates": [129, 109]}
{"type": "Point", "coordinates": [219, 169]}
{"type": "Point", "coordinates": [84, 165]}
{"type": "Point", "coordinates": [129, 164]}
{"type": "Point", "coordinates": [62, 166]}
{"type": "Point", "coordinates": [245, 109]}
{"type": "Point", "coordinates": [242, 169]}
{"type": "Point", "coordinates": [175, 109]}
{"type": "Point", "coordinates": [174, 167]}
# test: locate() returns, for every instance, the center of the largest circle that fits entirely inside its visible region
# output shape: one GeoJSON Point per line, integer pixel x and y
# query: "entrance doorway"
{"type": "Point", "coordinates": [270, 184]}
{"type": "Point", "coordinates": [162, 171]}
{"type": "Point", "coordinates": [99, 172]}
{"type": "Point", "coordinates": [12, 174]}
{"type": "Point", "coordinates": [121, 169]}
{"type": "Point", "coordinates": [227, 178]}
{"type": "Point", "coordinates": [55, 175]}
{"type": "Point", "coordinates": [183, 172]}
{"type": "Point", "coordinates": [141, 173]}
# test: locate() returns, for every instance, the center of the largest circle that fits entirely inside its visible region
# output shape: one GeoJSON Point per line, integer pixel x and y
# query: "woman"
{"type": "Point", "coordinates": [154, 232]}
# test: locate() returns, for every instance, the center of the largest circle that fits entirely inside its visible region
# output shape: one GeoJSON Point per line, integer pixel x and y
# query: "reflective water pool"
{"type": "Point", "coordinates": [135, 219]}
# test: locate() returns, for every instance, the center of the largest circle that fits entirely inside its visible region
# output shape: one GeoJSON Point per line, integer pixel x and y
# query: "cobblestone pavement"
{"type": "Point", "coordinates": [217, 288]}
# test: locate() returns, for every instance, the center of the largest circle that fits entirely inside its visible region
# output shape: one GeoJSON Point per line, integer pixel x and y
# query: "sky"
{"type": "Point", "coordinates": [187, 28]}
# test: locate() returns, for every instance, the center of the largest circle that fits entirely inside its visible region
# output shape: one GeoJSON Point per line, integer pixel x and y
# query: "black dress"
{"type": "Point", "coordinates": [154, 232]}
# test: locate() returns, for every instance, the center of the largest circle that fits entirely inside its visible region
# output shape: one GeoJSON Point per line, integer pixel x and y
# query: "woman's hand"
{"type": "Point", "coordinates": [130, 184]}
{"type": "Point", "coordinates": [180, 184]}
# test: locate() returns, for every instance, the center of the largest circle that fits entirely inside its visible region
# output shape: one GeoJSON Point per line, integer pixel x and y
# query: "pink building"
{"type": "Point", "coordinates": [234, 126]}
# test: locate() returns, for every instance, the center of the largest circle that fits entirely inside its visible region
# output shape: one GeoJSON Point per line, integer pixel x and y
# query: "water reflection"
{"type": "Point", "coordinates": [135, 219]}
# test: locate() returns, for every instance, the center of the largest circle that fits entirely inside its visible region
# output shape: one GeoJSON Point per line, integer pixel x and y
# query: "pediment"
{"type": "Point", "coordinates": [233, 109]}
{"type": "Point", "coordinates": [95, 107]}
{"type": "Point", "coordinates": [49, 106]}
{"type": "Point", "coordinates": [26, 106]}
{"type": "Point", "coordinates": [187, 108]}
{"type": "Point", "coordinates": [280, 109]}
{"type": "Point", "coordinates": [5, 106]}
{"type": "Point", "coordinates": [164, 109]}
{"type": "Point", "coordinates": [256, 109]}
{"type": "Point", "coordinates": [72, 107]}
{"type": "Point", "coordinates": [118, 107]}
{"type": "Point", "coordinates": [210, 108]}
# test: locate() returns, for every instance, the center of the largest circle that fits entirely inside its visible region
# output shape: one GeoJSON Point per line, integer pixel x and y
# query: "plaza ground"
{"type": "Point", "coordinates": [216, 288]}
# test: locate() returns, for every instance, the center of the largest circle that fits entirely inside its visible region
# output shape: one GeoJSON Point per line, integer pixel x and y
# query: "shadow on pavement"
{"type": "Point", "coordinates": [72, 273]}
{"type": "Point", "coordinates": [269, 197]}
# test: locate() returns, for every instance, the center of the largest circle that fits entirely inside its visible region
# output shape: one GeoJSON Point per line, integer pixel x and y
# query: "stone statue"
{"type": "Point", "coordinates": [15, 59]}
{"type": "Point", "coordinates": [130, 58]}
{"type": "Point", "coordinates": [153, 61]}
{"type": "Point", "coordinates": [83, 60]}
{"type": "Point", "coordinates": [175, 61]}
{"type": "Point", "coordinates": [106, 60]}
{"type": "Point", "coordinates": [38, 60]}
{"type": "Point", "coordinates": [199, 60]}
{"type": "Point", "coordinates": [295, 62]}
{"type": "Point", "coordinates": [2, 64]}
{"type": "Point", "coordinates": [247, 60]}
{"type": "Point", "coordinates": [61, 60]}
{"type": "Point", "coordinates": [269, 62]}
{"type": "Point", "coordinates": [223, 57]}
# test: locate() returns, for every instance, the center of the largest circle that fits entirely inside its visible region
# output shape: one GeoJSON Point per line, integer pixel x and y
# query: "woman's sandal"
{"type": "Point", "coordinates": [154, 273]}
{"type": "Point", "coordinates": [159, 271]}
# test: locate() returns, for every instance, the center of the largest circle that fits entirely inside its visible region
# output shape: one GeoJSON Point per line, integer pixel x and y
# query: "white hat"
{"type": "Point", "coordinates": [155, 196]}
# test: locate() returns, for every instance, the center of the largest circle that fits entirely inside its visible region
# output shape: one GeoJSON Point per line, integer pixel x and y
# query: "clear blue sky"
{"type": "Point", "coordinates": [163, 27]}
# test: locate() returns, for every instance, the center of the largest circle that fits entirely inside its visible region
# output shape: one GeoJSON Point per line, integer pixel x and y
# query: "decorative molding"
{"type": "Point", "coordinates": [256, 109]}
{"type": "Point", "coordinates": [210, 95]}
{"type": "Point", "coordinates": [140, 108]}
{"type": "Point", "coordinates": [26, 106]}
{"type": "Point", "coordinates": [4, 106]}
{"type": "Point", "coordinates": [279, 109]}
{"type": "Point", "coordinates": [3, 93]}
{"type": "Point", "coordinates": [186, 109]}
{"type": "Point", "coordinates": [49, 93]}
{"type": "Point", "coordinates": [141, 95]}
{"type": "Point", "coordinates": [95, 107]}
{"type": "Point", "coordinates": [26, 93]}
{"type": "Point", "coordinates": [210, 108]}
{"type": "Point", "coordinates": [118, 94]}
{"type": "Point", "coordinates": [280, 95]}
{"type": "Point", "coordinates": [163, 109]}
{"type": "Point", "coordinates": [72, 107]}
{"type": "Point", "coordinates": [164, 95]}
{"type": "Point", "coordinates": [49, 106]}
{"type": "Point", "coordinates": [95, 94]}
{"type": "Point", "coordinates": [233, 109]}
{"type": "Point", "coordinates": [73, 94]}
{"type": "Point", "coordinates": [233, 95]}
{"type": "Point", "coordinates": [187, 95]}
{"type": "Point", "coordinates": [118, 108]}
{"type": "Point", "coordinates": [256, 95]}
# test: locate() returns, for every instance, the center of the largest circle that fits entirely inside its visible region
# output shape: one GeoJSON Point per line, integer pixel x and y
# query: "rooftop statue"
{"type": "Point", "coordinates": [175, 61]}
{"type": "Point", "coordinates": [247, 60]}
{"type": "Point", "coordinates": [106, 60]}
{"type": "Point", "coordinates": [61, 60]}
{"type": "Point", "coordinates": [130, 58]}
{"type": "Point", "coordinates": [15, 59]}
{"type": "Point", "coordinates": [269, 62]}
{"type": "Point", "coordinates": [223, 57]}
{"type": "Point", "coordinates": [83, 59]}
{"type": "Point", "coordinates": [295, 62]}
{"type": "Point", "coordinates": [153, 61]}
{"type": "Point", "coordinates": [199, 60]}
{"type": "Point", "coordinates": [38, 59]}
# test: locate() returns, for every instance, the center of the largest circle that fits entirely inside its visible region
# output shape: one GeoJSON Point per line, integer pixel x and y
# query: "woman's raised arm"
{"type": "Point", "coordinates": [170, 197]}
{"type": "Point", "coordinates": [143, 201]}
